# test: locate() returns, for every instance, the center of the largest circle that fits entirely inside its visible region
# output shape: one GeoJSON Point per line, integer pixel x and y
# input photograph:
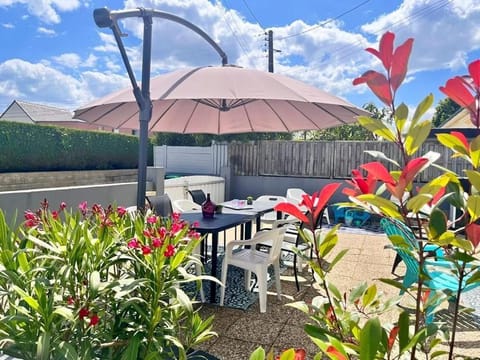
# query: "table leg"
{"type": "Point", "coordinates": [248, 230]}
{"type": "Point", "coordinates": [213, 272]}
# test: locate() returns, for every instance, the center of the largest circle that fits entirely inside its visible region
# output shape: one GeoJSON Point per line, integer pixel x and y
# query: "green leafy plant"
{"type": "Point", "coordinates": [98, 283]}
{"type": "Point", "coordinates": [349, 325]}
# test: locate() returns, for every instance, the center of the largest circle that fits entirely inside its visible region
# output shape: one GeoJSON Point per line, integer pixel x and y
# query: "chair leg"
{"type": "Point", "coordinates": [398, 260]}
{"type": "Point", "coordinates": [224, 281]}
{"type": "Point", "coordinates": [248, 278]}
{"type": "Point", "coordinates": [262, 289]}
{"type": "Point", "coordinates": [278, 285]}
{"type": "Point", "coordinates": [295, 271]}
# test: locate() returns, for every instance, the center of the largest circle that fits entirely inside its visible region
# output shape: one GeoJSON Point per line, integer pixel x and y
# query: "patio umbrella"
{"type": "Point", "coordinates": [224, 100]}
{"type": "Point", "coordinates": [215, 100]}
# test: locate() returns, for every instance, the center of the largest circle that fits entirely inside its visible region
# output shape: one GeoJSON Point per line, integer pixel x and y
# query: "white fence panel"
{"type": "Point", "coordinates": [191, 159]}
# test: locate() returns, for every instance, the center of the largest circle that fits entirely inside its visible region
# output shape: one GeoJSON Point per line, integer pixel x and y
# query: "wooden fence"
{"type": "Point", "coordinates": [324, 159]}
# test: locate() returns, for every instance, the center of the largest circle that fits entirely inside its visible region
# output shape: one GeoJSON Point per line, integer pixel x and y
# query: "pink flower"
{"type": "Point", "coordinates": [147, 233]}
{"type": "Point", "coordinates": [133, 244]}
{"type": "Point", "coordinates": [146, 250]}
{"type": "Point", "coordinates": [176, 217]}
{"type": "Point", "coordinates": [170, 251]}
{"type": "Point", "coordinates": [121, 211]}
{"type": "Point", "coordinates": [55, 214]}
{"type": "Point", "coordinates": [195, 224]}
{"type": "Point", "coordinates": [63, 205]}
{"type": "Point", "coordinates": [176, 227]}
{"type": "Point", "coordinates": [29, 215]}
{"type": "Point", "coordinates": [162, 232]}
{"type": "Point", "coordinates": [157, 242]}
{"type": "Point", "coordinates": [152, 219]}
{"type": "Point", "coordinates": [70, 300]}
{"type": "Point", "coordinates": [83, 207]}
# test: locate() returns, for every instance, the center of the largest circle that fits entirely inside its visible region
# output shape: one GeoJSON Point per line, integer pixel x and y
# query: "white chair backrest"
{"type": "Point", "coordinates": [183, 205]}
{"type": "Point", "coordinates": [295, 194]}
{"type": "Point", "coordinates": [276, 235]}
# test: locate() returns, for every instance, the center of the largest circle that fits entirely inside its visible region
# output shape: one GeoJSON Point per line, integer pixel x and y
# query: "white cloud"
{"type": "Point", "coordinates": [443, 32]}
{"type": "Point", "coordinates": [45, 31]}
{"type": "Point", "coordinates": [46, 10]}
{"type": "Point", "coordinates": [37, 82]}
{"type": "Point", "coordinates": [70, 60]}
{"type": "Point", "coordinates": [8, 25]}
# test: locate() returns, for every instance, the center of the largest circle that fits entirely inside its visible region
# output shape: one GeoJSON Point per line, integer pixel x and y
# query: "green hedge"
{"type": "Point", "coordinates": [27, 147]}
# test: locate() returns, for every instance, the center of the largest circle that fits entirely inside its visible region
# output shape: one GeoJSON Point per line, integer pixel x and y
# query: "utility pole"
{"type": "Point", "coordinates": [270, 51]}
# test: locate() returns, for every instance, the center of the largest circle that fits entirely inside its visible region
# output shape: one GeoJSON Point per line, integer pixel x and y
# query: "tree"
{"type": "Point", "coordinates": [350, 131]}
{"type": "Point", "coordinates": [444, 111]}
{"type": "Point", "coordinates": [206, 139]}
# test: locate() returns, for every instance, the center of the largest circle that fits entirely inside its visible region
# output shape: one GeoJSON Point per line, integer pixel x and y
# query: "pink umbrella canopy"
{"type": "Point", "coordinates": [224, 100]}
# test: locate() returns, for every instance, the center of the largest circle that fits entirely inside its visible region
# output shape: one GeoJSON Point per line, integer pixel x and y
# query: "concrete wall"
{"type": "Point", "coordinates": [124, 194]}
{"type": "Point", "coordinates": [243, 186]}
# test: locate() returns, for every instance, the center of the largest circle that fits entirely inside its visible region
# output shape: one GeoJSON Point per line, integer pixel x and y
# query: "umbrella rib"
{"type": "Point", "coordinates": [103, 114]}
{"type": "Point", "coordinates": [157, 119]}
{"type": "Point", "coordinates": [124, 122]}
{"type": "Point", "coordinates": [276, 113]}
{"type": "Point", "coordinates": [335, 116]}
{"type": "Point", "coordinates": [190, 118]}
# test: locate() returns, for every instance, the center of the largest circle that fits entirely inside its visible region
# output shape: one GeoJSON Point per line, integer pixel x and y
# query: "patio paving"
{"type": "Point", "coordinates": [240, 332]}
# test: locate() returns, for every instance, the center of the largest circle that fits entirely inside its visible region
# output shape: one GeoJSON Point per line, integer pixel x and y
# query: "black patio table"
{"type": "Point", "coordinates": [213, 226]}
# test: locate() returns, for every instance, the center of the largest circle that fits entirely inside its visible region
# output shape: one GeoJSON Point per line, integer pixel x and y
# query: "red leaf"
{"type": "Point", "coordinates": [462, 138]}
{"type": "Point", "coordinates": [473, 234]}
{"type": "Point", "coordinates": [379, 85]}
{"type": "Point", "coordinates": [474, 70]}
{"type": "Point", "coordinates": [437, 196]}
{"type": "Point", "coordinates": [293, 210]}
{"type": "Point", "coordinates": [334, 352]}
{"type": "Point", "coordinates": [411, 169]}
{"type": "Point", "coordinates": [324, 197]}
{"type": "Point", "coordinates": [379, 172]}
{"type": "Point", "coordinates": [456, 90]}
{"type": "Point", "coordinates": [391, 337]}
{"type": "Point", "coordinates": [385, 49]}
{"type": "Point", "coordinates": [400, 64]}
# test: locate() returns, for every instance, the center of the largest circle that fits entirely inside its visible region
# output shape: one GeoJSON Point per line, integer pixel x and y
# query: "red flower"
{"type": "Point", "coordinates": [133, 244]}
{"type": "Point", "coordinates": [195, 224]}
{"type": "Point", "coordinates": [162, 232]}
{"type": "Point", "coordinates": [83, 207]}
{"type": "Point", "coordinates": [121, 211]}
{"type": "Point", "coordinates": [55, 214]}
{"type": "Point", "coordinates": [97, 209]}
{"type": "Point", "coordinates": [70, 300]}
{"type": "Point", "coordinates": [152, 219]}
{"type": "Point", "coordinates": [94, 320]}
{"type": "Point", "coordinates": [176, 217]}
{"type": "Point", "coordinates": [83, 313]}
{"type": "Point", "coordinates": [147, 233]}
{"type": "Point", "coordinates": [63, 205]}
{"type": "Point", "coordinates": [157, 242]}
{"type": "Point", "coordinates": [395, 63]}
{"type": "Point", "coordinates": [176, 227]}
{"type": "Point", "coordinates": [146, 250]}
{"type": "Point", "coordinates": [169, 251]}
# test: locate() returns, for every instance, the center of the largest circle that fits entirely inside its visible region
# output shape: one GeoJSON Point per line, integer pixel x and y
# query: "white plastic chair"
{"type": "Point", "coordinates": [257, 261]}
{"type": "Point", "coordinates": [184, 205]}
{"type": "Point", "coordinates": [294, 195]}
{"type": "Point", "coordinates": [270, 217]}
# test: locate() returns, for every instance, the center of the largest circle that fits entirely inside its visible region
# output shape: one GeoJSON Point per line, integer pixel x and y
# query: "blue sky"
{"type": "Point", "coordinates": [53, 53]}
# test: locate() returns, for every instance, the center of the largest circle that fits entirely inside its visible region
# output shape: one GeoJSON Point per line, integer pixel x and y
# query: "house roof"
{"type": "Point", "coordinates": [461, 119]}
{"type": "Point", "coordinates": [39, 113]}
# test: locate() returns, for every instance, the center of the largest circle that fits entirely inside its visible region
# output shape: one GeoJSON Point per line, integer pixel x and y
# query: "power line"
{"type": "Point", "coordinates": [346, 51]}
{"type": "Point", "coordinates": [253, 15]}
{"type": "Point", "coordinates": [325, 22]}
{"type": "Point", "coordinates": [232, 30]}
